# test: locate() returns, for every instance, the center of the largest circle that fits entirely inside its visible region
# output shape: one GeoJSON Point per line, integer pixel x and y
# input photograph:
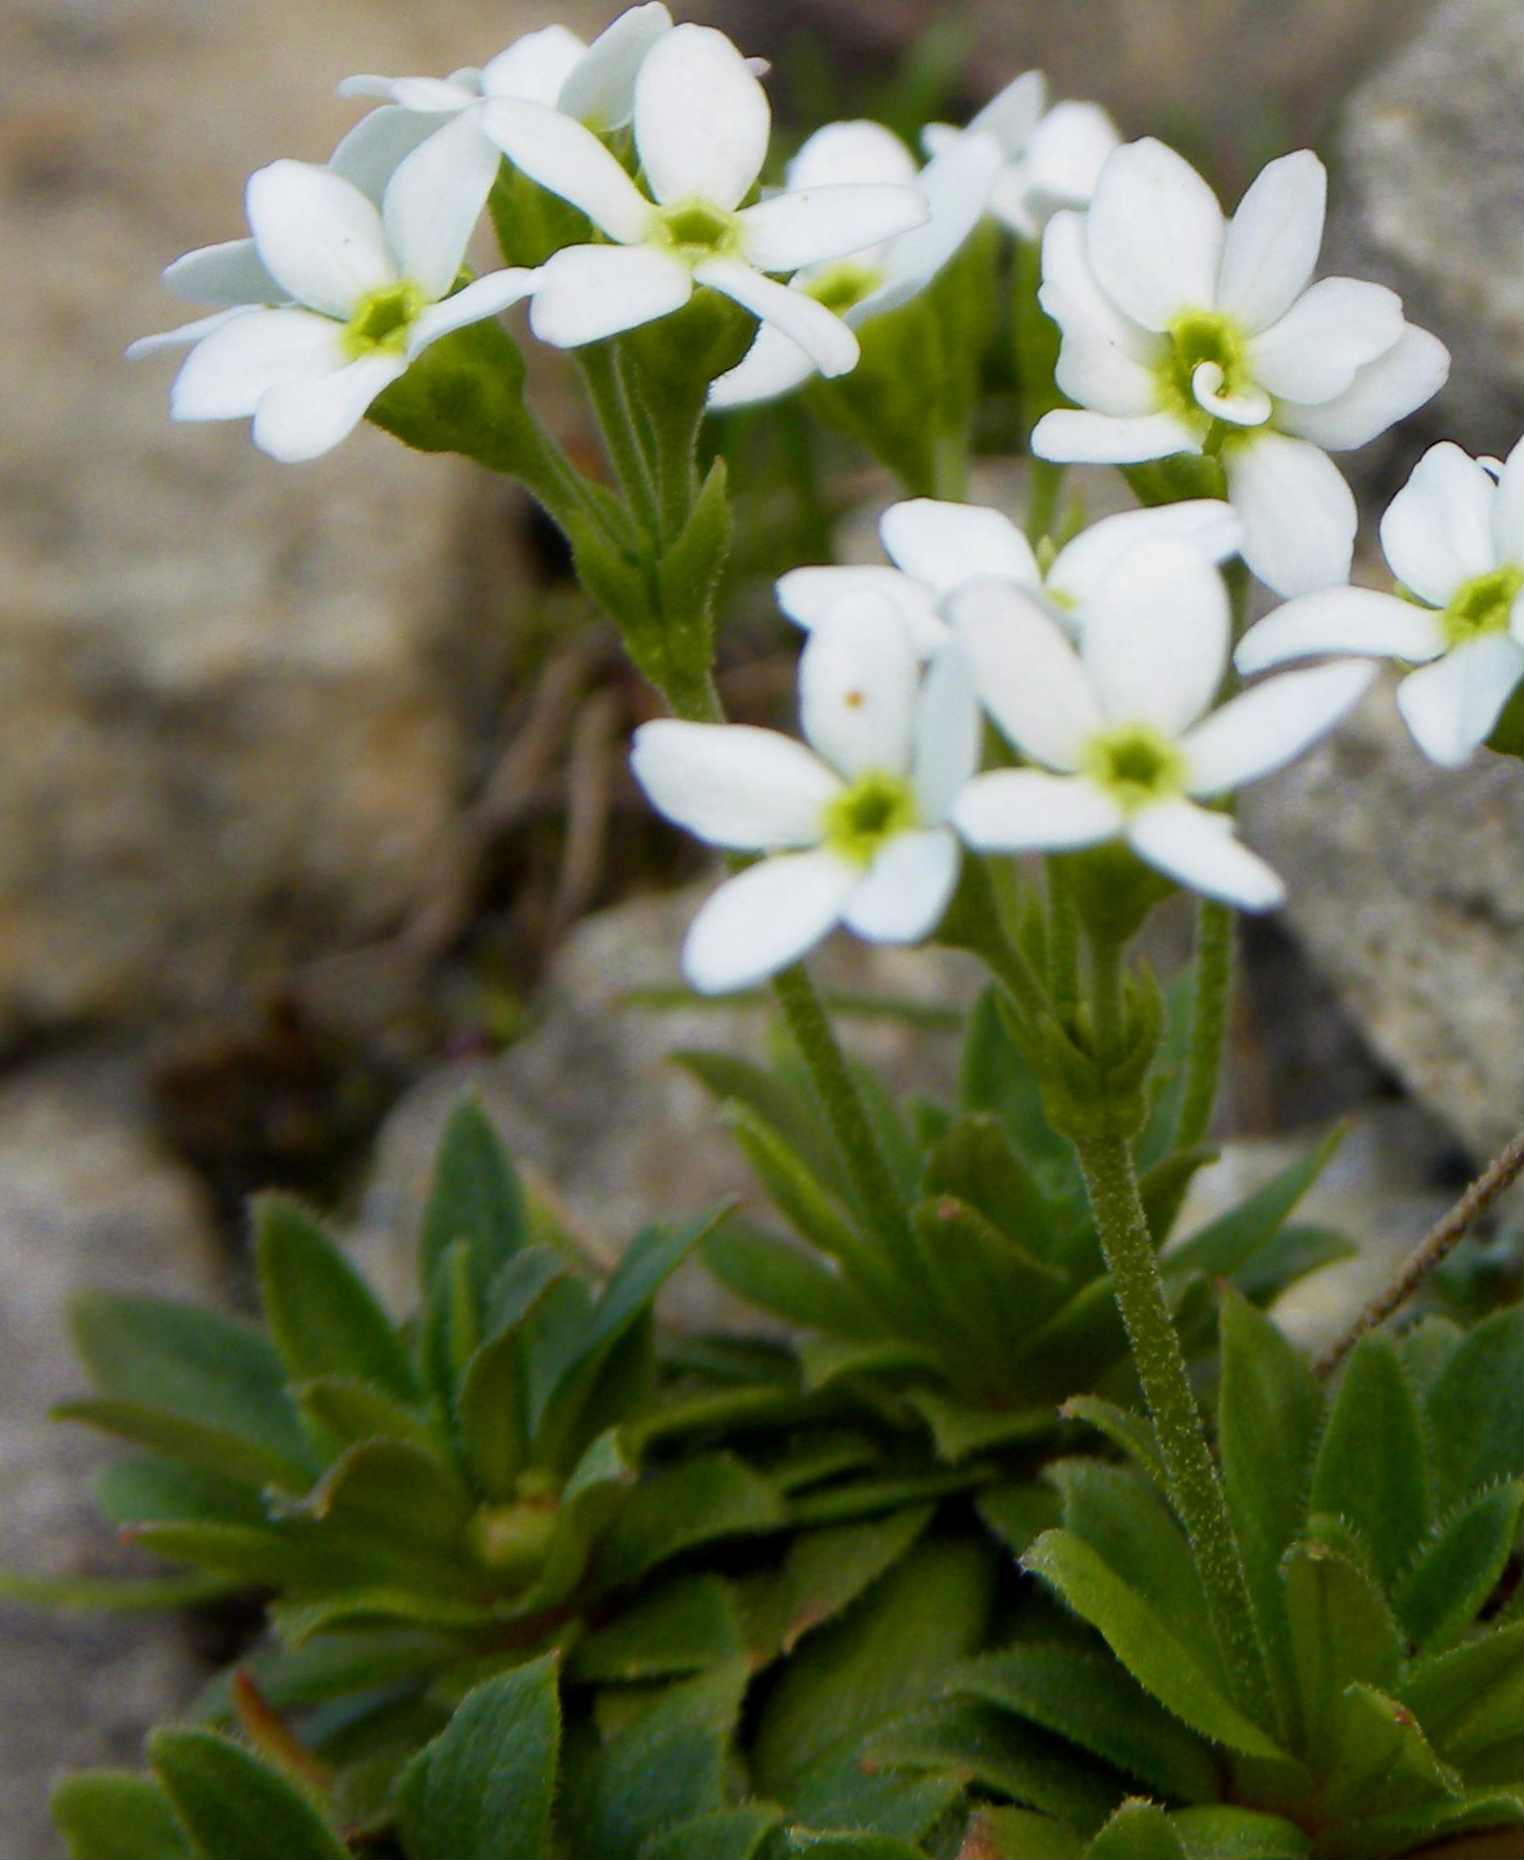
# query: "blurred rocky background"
{"type": "Point", "coordinates": [309, 777]}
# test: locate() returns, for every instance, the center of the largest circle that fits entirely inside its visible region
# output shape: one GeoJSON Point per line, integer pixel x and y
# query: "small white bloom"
{"type": "Point", "coordinates": [1121, 721]}
{"type": "Point", "coordinates": [854, 824]}
{"type": "Point", "coordinates": [938, 548]}
{"type": "Point", "coordinates": [358, 294]}
{"type": "Point", "coordinates": [956, 184]}
{"type": "Point", "coordinates": [1454, 538]}
{"type": "Point", "coordinates": [1050, 159]}
{"type": "Point", "coordinates": [1185, 333]}
{"type": "Point", "coordinates": [701, 130]}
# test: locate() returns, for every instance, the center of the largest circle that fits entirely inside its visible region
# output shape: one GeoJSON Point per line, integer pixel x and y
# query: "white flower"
{"type": "Point", "coordinates": [860, 813]}
{"type": "Point", "coordinates": [1454, 537]}
{"type": "Point", "coordinates": [1121, 720]}
{"type": "Point", "coordinates": [1185, 334]}
{"type": "Point", "coordinates": [956, 185]}
{"type": "Point", "coordinates": [939, 548]}
{"type": "Point", "coordinates": [359, 295]}
{"type": "Point", "coordinates": [701, 131]}
{"type": "Point", "coordinates": [1051, 160]}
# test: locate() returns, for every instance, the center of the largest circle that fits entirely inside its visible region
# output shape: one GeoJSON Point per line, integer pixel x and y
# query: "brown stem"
{"type": "Point", "coordinates": [1435, 1245]}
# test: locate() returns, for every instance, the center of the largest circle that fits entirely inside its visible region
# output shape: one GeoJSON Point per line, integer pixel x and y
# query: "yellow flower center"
{"type": "Point", "coordinates": [1482, 604]}
{"type": "Point", "coordinates": [1198, 336]}
{"type": "Point", "coordinates": [874, 810]}
{"type": "Point", "coordinates": [1136, 766]}
{"type": "Point", "coordinates": [382, 319]}
{"type": "Point", "coordinates": [694, 230]}
{"type": "Point", "coordinates": [841, 287]}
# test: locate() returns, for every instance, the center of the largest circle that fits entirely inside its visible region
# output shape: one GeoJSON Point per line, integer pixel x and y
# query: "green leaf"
{"type": "Point", "coordinates": [996, 1076]}
{"type": "Point", "coordinates": [1162, 1189]}
{"type": "Point", "coordinates": [208, 1449]}
{"type": "Point", "coordinates": [206, 1370]}
{"type": "Point", "coordinates": [329, 1667]}
{"type": "Point", "coordinates": [396, 1492]}
{"type": "Point", "coordinates": [974, 1162]}
{"type": "Point", "coordinates": [484, 1788]}
{"type": "Point", "coordinates": [1018, 1512]}
{"type": "Point", "coordinates": [1426, 1349]}
{"type": "Point", "coordinates": [774, 1099]}
{"type": "Point", "coordinates": [116, 1815]}
{"type": "Point", "coordinates": [822, 1453]}
{"type": "Point", "coordinates": [1379, 1759]}
{"type": "Point", "coordinates": [492, 1408]}
{"type": "Point", "coordinates": [1125, 1428]}
{"type": "Point", "coordinates": [353, 1411]}
{"type": "Point", "coordinates": [1093, 1702]}
{"type": "Point", "coordinates": [1073, 1349]}
{"type": "Point", "coordinates": [1018, 1834]}
{"type": "Point", "coordinates": [726, 1834]}
{"type": "Point", "coordinates": [1137, 1831]}
{"type": "Point", "coordinates": [1439, 1821]}
{"type": "Point", "coordinates": [140, 1489]}
{"type": "Point", "coordinates": [823, 1572]}
{"type": "Point", "coordinates": [825, 1360]}
{"type": "Point", "coordinates": [689, 573]}
{"type": "Point", "coordinates": [842, 1792]}
{"type": "Point", "coordinates": [1144, 1641]}
{"type": "Point", "coordinates": [1222, 1833]}
{"type": "Point", "coordinates": [1471, 1695]}
{"type": "Point", "coordinates": [1453, 1574]}
{"type": "Point", "coordinates": [680, 1627]}
{"type": "Point", "coordinates": [861, 1498]}
{"type": "Point", "coordinates": [322, 1315]}
{"type": "Point", "coordinates": [1228, 1243]}
{"type": "Point", "coordinates": [988, 1286]}
{"type": "Point", "coordinates": [297, 1554]}
{"type": "Point", "coordinates": [695, 1501]}
{"type": "Point", "coordinates": [1372, 1464]}
{"type": "Point", "coordinates": [1341, 1631]}
{"type": "Point", "coordinates": [298, 1623]}
{"type": "Point", "coordinates": [917, 1622]}
{"type": "Point", "coordinates": [234, 1806]}
{"type": "Point", "coordinates": [450, 1324]}
{"type": "Point", "coordinates": [1475, 1409]}
{"type": "Point", "coordinates": [963, 1428]}
{"type": "Point", "coordinates": [474, 1196]}
{"type": "Point", "coordinates": [1299, 1250]}
{"type": "Point", "coordinates": [780, 1277]}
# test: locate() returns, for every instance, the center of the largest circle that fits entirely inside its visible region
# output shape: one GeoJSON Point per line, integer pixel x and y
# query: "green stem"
{"type": "Point", "coordinates": [1211, 991]}
{"type": "Point", "coordinates": [949, 466]}
{"type": "Point", "coordinates": [1063, 941]}
{"type": "Point", "coordinates": [1105, 1156]}
{"type": "Point", "coordinates": [1106, 1005]}
{"type": "Point", "coordinates": [599, 362]}
{"type": "Point", "coordinates": [974, 921]}
{"type": "Point", "coordinates": [1046, 480]}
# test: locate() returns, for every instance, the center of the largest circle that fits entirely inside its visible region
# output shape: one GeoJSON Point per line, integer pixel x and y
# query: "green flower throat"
{"type": "Point", "coordinates": [1136, 766]}
{"type": "Point", "coordinates": [863, 818]}
{"type": "Point", "coordinates": [1482, 605]}
{"type": "Point", "coordinates": [381, 321]}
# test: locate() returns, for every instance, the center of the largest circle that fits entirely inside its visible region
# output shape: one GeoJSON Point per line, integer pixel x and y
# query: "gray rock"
{"type": "Point", "coordinates": [86, 1198]}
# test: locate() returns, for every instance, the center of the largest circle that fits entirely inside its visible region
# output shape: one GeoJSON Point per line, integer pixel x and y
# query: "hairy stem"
{"type": "Point", "coordinates": [599, 362]}
{"type": "Point", "coordinates": [1063, 941]}
{"type": "Point", "coordinates": [1211, 992]}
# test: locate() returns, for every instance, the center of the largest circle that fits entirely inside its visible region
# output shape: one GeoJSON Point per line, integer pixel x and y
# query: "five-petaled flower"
{"type": "Point", "coordinates": [359, 294]}
{"type": "Point", "coordinates": [701, 131]}
{"type": "Point", "coordinates": [1183, 333]}
{"type": "Point", "coordinates": [854, 824]}
{"type": "Point", "coordinates": [1454, 538]}
{"type": "Point", "coordinates": [1122, 722]}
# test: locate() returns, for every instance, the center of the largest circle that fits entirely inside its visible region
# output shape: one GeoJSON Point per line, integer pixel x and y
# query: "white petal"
{"type": "Point", "coordinates": [590, 291]}
{"type": "Point", "coordinates": [1272, 241]}
{"type": "Point", "coordinates": [945, 545]}
{"type": "Point", "coordinates": [1154, 234]}
{"type": "Point", "coordinates": [435, 198]}
{"type": "Point", "coordinates": [1068, 149]}
{"type": "Point", "coordinates": [1198, 849]}
{"type": "Point", "coordinates": [231, 273]}
{"type": "Point", "coordinates": [304, 419]}
{"type": "Point", "coordinates": [821, 334]}
{"type": "Point", "coordinates": [425, 96]}
{"type": "Point", "coordinates": [1263, 729]}
{"type": "Point", "coordinates": [1314, 351]}
{"type": "Point", "coordinates": [1104, 359]}
{"type": "Point", "coordinates": [1098, 439]}
{"type": "Point", "coordinates": [772, 366]}
{"type": "Point", "coordinates": [807, 595]}
{"type": "Point", "coordinates": [1104, 380]}
{"type": "Point", "coordinates": [378, 145]}
{"type": "Point", "coordinates": [483, 298]}
{"type": "Point", "coordinates": [906, 889]}
{"type": "Point", "coordinates": [569, 160]}
{"type": "Point", "coordinates": [947, 733]}
{"type": "Point", "coordinates": [227, 372]}
{"type": "Point", "coordinates": [1383, 391]}
{"type": "Point", "coordinates": [765, 918]}
{"type": "Point", "coordinates": [1011, 114]}
{"type": "Point", "coordinates": [186, 333]}
{"type": "Point", "coordinates": [701, 118]}
{"type": "Point", "coordinates": [1027, 674]}
{"type": "Point", "coordinates": [601, 90]}
{"type": "Point", "coordinates": [858, 688]}
{"type": "Point", "coordinates": [1341, 620]}
{"type": "Point", "coordinates": [318, 236]}
{"type": "Point", "coordinates": [1508, 509]}
{"type": "Point", "coordinates": [1025, 810]}
{"type": "Point", "coordinates": [364, 84]}
{"type": "Point", "coordinates": [1209, 525]}
{"type": "Point", "coordinates": [851, 151]}
{"type": "Point", "coordinates": [956, 185]}
{"type": "Point", "coordinates": [1437, 530]}
{"type": "Point", "coordinates": [534, 67]}
{"type": "Point", "coordinates": [1298, 513]}
{"type": "Point", "coordinates": [1451, 706]}
{"type": "Point", "coordinates": [733, 785]}
{"type": "Point", "coordinates": [1246, 406]}
{"type": "Point", "coordinates": [818, 223]}
{"type": "Point", "coordinates": [1156, 637]}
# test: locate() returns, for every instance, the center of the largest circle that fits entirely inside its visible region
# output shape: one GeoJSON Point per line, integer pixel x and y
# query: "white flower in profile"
{"type": "Point", "coordinates": [1122, 722]}
{"type": "Point", "coordinates": [359, 294]}
{"type": "Point", "coordinates": [701, 131]}
{"type": "Point", "coordinates": [1051, 159]}
{"type": "Point", "coordinates": [871, 283]}
{"type": "Point", "coordinates": [1454, 538]}
{"type": "Point", "coordinates": [854, 825]}
{"type": "Point", "coordinates": [938, 548]}
{"type": "Point", "coordinates": [1185, 333]}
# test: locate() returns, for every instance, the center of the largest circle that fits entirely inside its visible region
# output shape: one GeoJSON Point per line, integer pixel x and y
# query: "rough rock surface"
{"type": "Point", "coordinates": [1407, 892]}
{"type": "Point", "coordinates": [86, 1198]}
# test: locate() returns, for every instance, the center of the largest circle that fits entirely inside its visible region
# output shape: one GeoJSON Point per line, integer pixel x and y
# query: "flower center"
{"type": "Point", "coordinates": [1136, 766]}
{"type": "Point", "coordinates": [694, 230]}
{"type": "Point", "coordinates": [1198, 336]}
{"type": "Point", "coordinates": [875, 809]}
{"type": "Point", "coordinates": [841, 287]}
{"type": "Point", "coordinates": [382, 319]}
{"type": "Point", "coordinates": [1482, 604]}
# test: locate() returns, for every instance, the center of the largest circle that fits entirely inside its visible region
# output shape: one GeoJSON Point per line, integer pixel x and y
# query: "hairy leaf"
{"type": "Point", "coordinates": [1372, 1466]}
{"type": "Point", "coordinates": [116, 1815]}
{"type": "Point", "coordinates": [234, 1806]}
